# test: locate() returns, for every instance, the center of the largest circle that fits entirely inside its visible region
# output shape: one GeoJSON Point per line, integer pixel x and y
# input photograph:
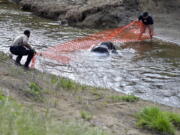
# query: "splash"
{"type": "Point", "coordinates": [128, 33]}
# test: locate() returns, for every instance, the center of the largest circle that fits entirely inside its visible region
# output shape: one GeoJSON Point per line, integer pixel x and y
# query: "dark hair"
{"type": "Point", "coordinates": [145, 14]}
{"type": "Point", "coordinates": [27, 32]}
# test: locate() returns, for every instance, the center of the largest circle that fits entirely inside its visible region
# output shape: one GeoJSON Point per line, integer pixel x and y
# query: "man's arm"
{"type": "Point", "coordinates": [28, 46]}
{"type": "Point", "coordinates": [25, 43]}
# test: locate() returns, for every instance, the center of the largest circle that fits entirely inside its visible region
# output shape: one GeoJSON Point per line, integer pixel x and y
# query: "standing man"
{"type": "Point", "coordinates": [20, 47]}
{"type": "Point", "coordinates": [147, 23]}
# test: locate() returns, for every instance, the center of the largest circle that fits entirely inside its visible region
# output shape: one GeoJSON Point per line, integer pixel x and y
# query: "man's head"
{"type": "Point", "coordinates": [27, 33]}
{"type": "Point", "coordinates": [145, 14]}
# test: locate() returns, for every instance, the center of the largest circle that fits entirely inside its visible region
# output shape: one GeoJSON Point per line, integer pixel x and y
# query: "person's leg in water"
{"type": "Point", "coordinates": [151, 31]}
{"type": "Point", "coordinates": [142, 30]}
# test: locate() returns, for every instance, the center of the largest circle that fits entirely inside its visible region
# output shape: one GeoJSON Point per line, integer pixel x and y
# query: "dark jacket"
{"type": "Point", "coordinates": [147, 21]}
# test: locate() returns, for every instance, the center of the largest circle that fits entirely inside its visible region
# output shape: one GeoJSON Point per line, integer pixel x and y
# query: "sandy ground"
{"type": "Point", "coordinates": [118, 118]}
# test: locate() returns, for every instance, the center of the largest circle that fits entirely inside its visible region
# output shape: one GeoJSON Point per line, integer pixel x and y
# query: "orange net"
{"type": "Point", "coordinates": [128, 33]}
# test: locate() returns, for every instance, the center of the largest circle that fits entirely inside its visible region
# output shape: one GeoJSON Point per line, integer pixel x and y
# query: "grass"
{"type": "Point", "coordinates": [68, 84]}
{"type": "Point", "coordinates": [154, 119]}
{"type": "Point", "coordinates": [95, 92]}
{"type": "Point", "coordinates": [86, 115]}
{"type": "Point", "coordinates": [19, 120]}
{"type": "Point", "coordinates": [15, 119]}
{"type": "Point", "coordinates": [35, 91]}
{"type": "Point", "coordinates": [54, 79]}
{"type": "Point", "coordinates": [2, 97]}
{"type": "Point", "coordinates": [174, 118]}
{"type": "Point", "coordinates": [3, 56]}
{"type": "Point", "coordinates": [127, 98]}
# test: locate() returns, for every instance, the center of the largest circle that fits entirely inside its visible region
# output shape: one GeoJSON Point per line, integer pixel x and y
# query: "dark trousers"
{"type": "Point", "coordinates": [21, 51]}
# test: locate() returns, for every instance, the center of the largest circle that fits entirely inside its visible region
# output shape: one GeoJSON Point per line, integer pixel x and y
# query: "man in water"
{"type": "Point", "coordinates": [20, 47]}
{"type": "Point", "coordinates": [147, 23]}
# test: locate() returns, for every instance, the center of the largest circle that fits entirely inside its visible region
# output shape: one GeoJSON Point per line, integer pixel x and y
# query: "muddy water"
{"type": "Point", "coordinates": [149, 70]}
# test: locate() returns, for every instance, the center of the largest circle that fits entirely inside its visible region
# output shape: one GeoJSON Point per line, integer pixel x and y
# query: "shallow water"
{"type": "Point", "coordinates": [149, 70]}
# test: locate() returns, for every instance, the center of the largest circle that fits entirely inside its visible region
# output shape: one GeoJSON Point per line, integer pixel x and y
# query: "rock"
{"type": "Point", "coordinates": [97, 13]}
{"type": "Point", "coordinates": [87, 13]}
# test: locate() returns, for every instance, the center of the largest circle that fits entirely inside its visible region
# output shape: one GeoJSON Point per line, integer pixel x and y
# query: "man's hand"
{"type": "Point", "coordinates": [34, 50]}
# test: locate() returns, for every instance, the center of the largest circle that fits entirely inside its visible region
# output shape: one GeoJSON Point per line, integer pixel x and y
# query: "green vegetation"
{"type": "Point", "coordinates": [174, 118]}
{"type": "Point", "coordinates": [86, 115]}
{"type": "Point", "coordinates": [35, 88]}
{"type": "Point", "coordinates": [3, 56]}
{"type": "Point", "coordinates": [77, 129]}
{"type": "Point", "coordinates": [153, 118]}
{"type": "Point", "coordinates": [68, 84]}
{"type": "Point", "coordinates": [54, 79]}
{"type": "Point", "coordinates": [96, 93]}
{"type": "Point", "coordinates": [35, 91]}
{"type": "Point", "coordinates": [16, 119]}
{"type": "Point", "coordinates": [2, 97]}
{"type": "Point", "coordinates": [127, 98]}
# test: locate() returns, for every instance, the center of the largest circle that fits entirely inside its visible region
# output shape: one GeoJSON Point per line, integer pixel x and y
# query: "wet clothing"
{"type": "Point", "coordinates": [147, 21]}
{"type": "Point", "coordinates": [18, 48]}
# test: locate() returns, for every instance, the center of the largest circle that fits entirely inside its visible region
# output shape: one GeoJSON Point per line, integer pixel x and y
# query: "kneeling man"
{"type": "Point", "coordinates": [20, 47]}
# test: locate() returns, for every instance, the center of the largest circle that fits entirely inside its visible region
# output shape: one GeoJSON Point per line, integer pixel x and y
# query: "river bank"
{"type": "Point", "coordinates": [67, 102]}
{"type": "Point", "coordinates": [110, 14]}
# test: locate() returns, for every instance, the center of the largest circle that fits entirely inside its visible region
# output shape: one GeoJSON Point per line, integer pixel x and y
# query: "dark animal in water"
{"type": "Point", "coordinates": [104, 47]}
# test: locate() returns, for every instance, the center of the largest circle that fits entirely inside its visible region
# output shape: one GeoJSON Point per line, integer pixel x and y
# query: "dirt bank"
{"type": "Point", "coordinates": [110, 13]}
{"type": "Point", "coordinates": [67, 102]}
{"type": "Point", "coordinates": [87, 13]}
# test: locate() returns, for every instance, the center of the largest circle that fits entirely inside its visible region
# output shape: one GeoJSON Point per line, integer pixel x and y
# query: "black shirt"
{"type": "Point", "coordinates": [146, 21]}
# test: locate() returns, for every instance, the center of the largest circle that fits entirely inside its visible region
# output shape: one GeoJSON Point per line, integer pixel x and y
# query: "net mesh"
{"type": "Point", "coordinates": [128, 33]}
